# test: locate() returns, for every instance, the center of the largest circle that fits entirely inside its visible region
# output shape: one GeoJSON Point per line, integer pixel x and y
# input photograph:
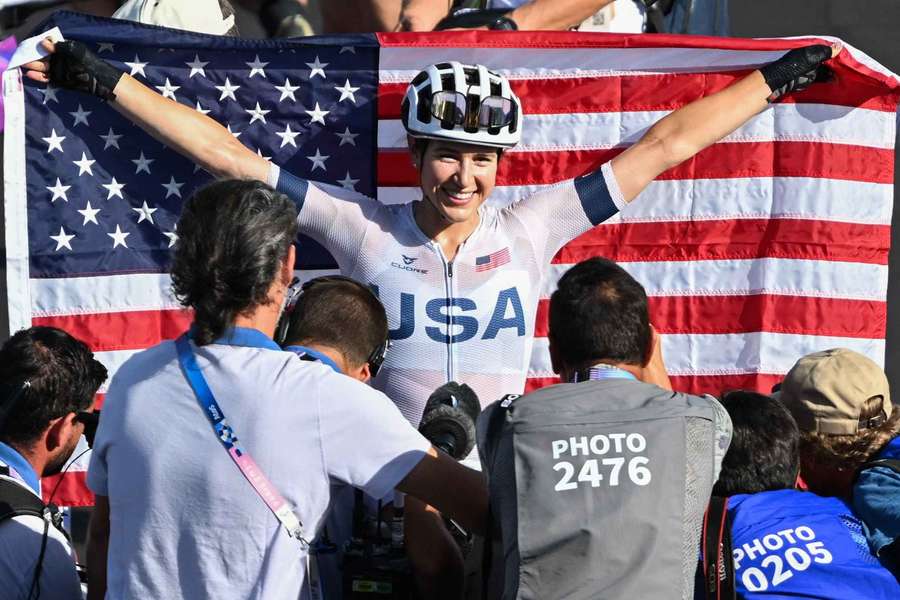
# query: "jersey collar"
{"type": "Point", "coordinates": [322, 358]}
{"type": "Point", "coordinates": [16, 462]}
{"type": "Point", "coordinates": [243, 336]}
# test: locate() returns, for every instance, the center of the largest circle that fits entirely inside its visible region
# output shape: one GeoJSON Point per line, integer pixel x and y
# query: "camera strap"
{"type": "Point", "coordinates": [248, 467]}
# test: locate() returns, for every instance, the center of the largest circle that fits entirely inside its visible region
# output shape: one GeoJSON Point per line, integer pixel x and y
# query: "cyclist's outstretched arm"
{"type": "Point", "coordinates": [189, 132]}
{"type": "Point", "coordinates": [685, 132]}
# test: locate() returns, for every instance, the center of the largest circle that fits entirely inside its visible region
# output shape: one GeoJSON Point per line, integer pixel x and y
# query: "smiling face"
{"type": "Point", "coordinates": [456, 179]}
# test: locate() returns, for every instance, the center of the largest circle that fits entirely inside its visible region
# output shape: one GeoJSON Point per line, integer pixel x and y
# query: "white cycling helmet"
{"type": "Point", "coordinates": [462, 103]}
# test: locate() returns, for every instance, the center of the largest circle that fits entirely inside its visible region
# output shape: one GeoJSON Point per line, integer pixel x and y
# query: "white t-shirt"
{"type": "Point", "coordinates": [184, 523]}
{"type": "Point", "coordinates": [471, 319]}
{"type": "Point", "coordinates": [20, 546]}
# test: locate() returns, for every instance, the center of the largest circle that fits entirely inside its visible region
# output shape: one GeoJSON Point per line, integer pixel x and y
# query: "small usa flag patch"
{"type": "Point", "coordinates": [492, 260]}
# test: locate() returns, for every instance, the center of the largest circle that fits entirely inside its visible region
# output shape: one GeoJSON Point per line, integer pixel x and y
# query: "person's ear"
{"type": "Point", "coordinates": [361, 373]}
{"type": "Point", "coordinates": [287, 266]}
{"type": "Point", "coordinates": [652, 345]}
{"type": "Point", "coordinates": [59, 432]}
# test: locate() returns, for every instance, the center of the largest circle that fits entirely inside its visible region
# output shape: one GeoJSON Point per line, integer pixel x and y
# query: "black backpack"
{"type": "Point", "coordinates": [16, 501]}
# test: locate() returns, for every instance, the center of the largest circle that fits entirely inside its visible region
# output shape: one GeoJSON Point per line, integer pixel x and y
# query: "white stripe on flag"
{"type": "Point", "coordinates": [738, 198]}
{"type": "Point", "coordinates": [102, 294]}
{"type": "Point", "coordinates": [731, 353]}
{"type": "Point", "coordinates": [792, 277]}
{"type": "Point", "coordinates": [781, 122]}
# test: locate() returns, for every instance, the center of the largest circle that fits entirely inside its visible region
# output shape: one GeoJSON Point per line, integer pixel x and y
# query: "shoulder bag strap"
{"type": "Point", "coordinates": [718, 566]}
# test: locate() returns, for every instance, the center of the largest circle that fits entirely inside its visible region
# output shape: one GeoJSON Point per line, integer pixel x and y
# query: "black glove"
{"type": "Point", "coordinates": [74, 67]}
{"type": "Point", "coordinates": [797, 70]}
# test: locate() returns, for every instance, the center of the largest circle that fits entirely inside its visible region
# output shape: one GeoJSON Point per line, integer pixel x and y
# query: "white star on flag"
{"type": "Point", "coordinates": [201, 110]}
{"type": "Point", "coordinates": [50, 94]}
{"type": "Point", "coordinates": [347, 183]}
{"type": "Point", "coordinates": [287, 90]}
{"type": "Point", "coordinates": [260, 154]}
{"type": "Point", "coordinates": [349, 49]}
{"type": "Point", "coordinates": [347, 137]}
{"type": "Point", "coordinates": [257, 114]}
{"type": "Point", "coordinates": [142, 163]}
{"type": "Point", "coordinates": [287, 136]}
{"type": "Point", "coordinates": [347, 92]}
{"type": "Point", "coordinates": [89, 213]}
{"type": "Point", "coordinates": [173, 237]}
{"type": "Point", "coordinates": [59, 191]}
{"type": "Point", "coordinates": [105, 47]}
{"type": "Point", "coordinates": [227, 90]}
{"type": "Point", "coordinates": [173, 187]}
{"type": "Point", "coordinates": [84, 165]}
{"type": "Point", "coordinates": [54, 142]}
{"type": "Point", "coordinates": [145, 213]}
{"type": "Point", "coordinates": [197, 66]}
{"type": "Point", "coordinates": [113, 188]}
{"type": "Point", "coordinates": [62, 239]}
{"type": "Point", "coordinates": [168, 90]}
{"type": "Point", "coordinates": [317, 68]}
{"type": "Point", "coordinates": [118, 237]}
{"type": "Point", "coordinates": [318, 161]}
{"type": "Point", "coordinates": [236, 134]}
{"type": "Point", "coordinates": [81, 116]}
{"type": "Point", "coordinates": [137, 66]}
{"type": "Point", "coordinates": [111, 139]}
{"type": "Point", "coordinates": [256, 67]}
{"type": "Point", "coordinates": [317, 115]}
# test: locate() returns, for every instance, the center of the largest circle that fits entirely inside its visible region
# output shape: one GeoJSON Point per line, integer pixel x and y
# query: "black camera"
{"type": "Point", "coordinates": [449, 418]}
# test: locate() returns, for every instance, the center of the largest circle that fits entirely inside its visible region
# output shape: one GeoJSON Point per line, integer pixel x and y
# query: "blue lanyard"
{"type": "Point", "coordinates": [314, 355]}
{"type": "Point", "coordinates": [602, 371]}
{"type": "Point", "coordinates": [248, 467]}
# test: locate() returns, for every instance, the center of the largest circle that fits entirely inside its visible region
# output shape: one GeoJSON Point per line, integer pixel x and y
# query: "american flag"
{"type": "Point", "coordinates": [770, 244]}
{"type": "Point", "coordinates": [492, 260]}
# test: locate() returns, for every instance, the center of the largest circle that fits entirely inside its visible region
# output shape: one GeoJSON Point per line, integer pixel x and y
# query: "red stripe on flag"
{"type": "Point", "coordinates": [652, 92]}
{"type": "Point", "coordinates": [122, 330]}
{"type": "Point", "coordinates": [72, 490]}
{"type": "Point", "coordinates": [732, 239]}
{"type": "Point", "coordinates": [759, 312]}
{"type": "Point", "coordinates": [695, 384]}
{"type": "Point", "coordinates": [720, 161]}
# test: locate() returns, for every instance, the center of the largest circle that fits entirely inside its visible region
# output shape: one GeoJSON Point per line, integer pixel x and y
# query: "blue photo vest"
{"type": "Point", "coordinates": [790, 544]}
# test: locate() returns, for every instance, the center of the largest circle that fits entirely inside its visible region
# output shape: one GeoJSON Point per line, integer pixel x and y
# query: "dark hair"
{"type": "Point", "coordinates": [598, 312]}
{"type": "Point", "coordinates": [48, 374]}
{"type": "Point", "coordinates": [764, 452]}
{"type": "Point", "coordinates": [341, 313]}
{"type": "Point", "coordinates": [232, 237]}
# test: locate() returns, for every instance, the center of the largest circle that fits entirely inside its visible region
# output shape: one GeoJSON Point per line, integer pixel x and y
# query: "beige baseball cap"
{"type": "Point", "coordinates": [825, 391]}
{"type": "Point", "coordinates": [199, 16]}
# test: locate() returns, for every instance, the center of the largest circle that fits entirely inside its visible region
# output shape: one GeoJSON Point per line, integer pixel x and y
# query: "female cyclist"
{"type": "Point", "coordinates": [460, 280]}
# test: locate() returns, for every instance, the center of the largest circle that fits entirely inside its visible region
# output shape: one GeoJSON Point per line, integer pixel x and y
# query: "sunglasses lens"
{"type": "Point", "coordinates": [495, 112]}
{"type": "Point", "coordinates": [449, 107]}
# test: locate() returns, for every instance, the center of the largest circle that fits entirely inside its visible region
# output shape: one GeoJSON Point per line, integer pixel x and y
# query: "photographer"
{"type": "Point", "coordinates": [47, 381]}
{"type": "Point", "coordinates": [614, 450]}
{"type": "Point", "coordinates": [341, 323]}
{"type": "Point", "coordinates": [216, 453]}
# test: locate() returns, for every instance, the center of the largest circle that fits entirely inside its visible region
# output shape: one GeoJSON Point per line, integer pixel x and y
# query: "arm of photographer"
{"type": "Point", "coordinates": [455, 490]}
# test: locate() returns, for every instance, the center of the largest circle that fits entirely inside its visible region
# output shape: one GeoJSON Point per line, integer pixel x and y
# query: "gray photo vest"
{"type": "Point", "coordinates": [598, 490]}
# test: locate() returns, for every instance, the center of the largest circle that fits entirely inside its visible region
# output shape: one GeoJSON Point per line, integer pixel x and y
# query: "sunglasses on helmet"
{"type": "Point", "coordinates": [454, 108]}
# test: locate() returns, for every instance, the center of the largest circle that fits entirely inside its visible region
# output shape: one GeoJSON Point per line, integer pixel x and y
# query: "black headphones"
{"type": "Point", "coordinates": [296, 289]}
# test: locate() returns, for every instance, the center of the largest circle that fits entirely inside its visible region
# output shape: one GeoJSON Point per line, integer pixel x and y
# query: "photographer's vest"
{"type": "Point", "coordinates": [598, 489]}
{"type": "Point", "coordinates": [790, 544]}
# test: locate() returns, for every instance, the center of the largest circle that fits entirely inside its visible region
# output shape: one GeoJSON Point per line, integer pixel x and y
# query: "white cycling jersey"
{"type": "Point", "coordinates": [471, 319]}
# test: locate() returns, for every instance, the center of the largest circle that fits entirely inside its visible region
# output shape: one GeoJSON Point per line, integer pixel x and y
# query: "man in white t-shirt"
{"type": "Point", "coordinates": [180, 516]}
{"type": "Point", "coordinates": [47, 378]}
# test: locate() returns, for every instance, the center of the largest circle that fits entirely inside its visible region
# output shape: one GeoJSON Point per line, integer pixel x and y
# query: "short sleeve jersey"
{"type": "Point", "coordinates": [470, 319]}
{"type": "Point", "coordinates": [184, 523]}
{"type": "Point", "coordinates": [789, 544]}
